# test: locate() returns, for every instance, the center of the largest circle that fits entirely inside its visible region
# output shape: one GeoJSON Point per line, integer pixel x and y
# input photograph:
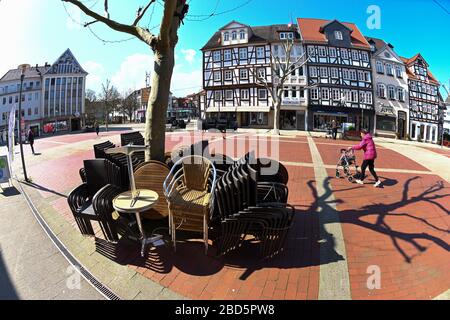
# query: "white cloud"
{"type": "Point", "coordinates": [189, 55]}
{"type": "Point", "coordinates": [132, 72]}
{"type": "Point", "coordinates": [184, 83]}
{"type": "Point", "coordinates": [96, 74]}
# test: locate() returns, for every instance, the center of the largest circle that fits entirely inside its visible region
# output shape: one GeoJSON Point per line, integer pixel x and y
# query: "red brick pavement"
{"type": "Point", "coordinates": [370, 220]}
{"type": "Point", "coordinates": [403, 228]}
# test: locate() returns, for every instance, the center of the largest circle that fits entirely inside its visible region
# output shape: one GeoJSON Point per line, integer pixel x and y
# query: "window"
{"type": "Point", "coordinates": [283, 35]}
{"type": "Point", "coordinates": [401, 94]}
{"type": "Point", "coordinates": [334, 73]}
{"type": "Point", "coordinates": [381, 88]}
{"type": "Point", "coordinates": [365, 56]}
{"type": "Point", "coordinates": [226, 36]}
{"type": "Point", "coordinates": [354, 96]}
{"type": "Point", "coordinates": [261, 73]}
{"type": "Point", "coordinates": [361, 76]}
{"type": "Point", "coordinates": [398, 71]}
{"type": "Point", "coordinates": [216, 57]}
{"type": "Point", "coordinates": [322, 52]}
{"type": "Point", "coordinates": [243, 53]}
{"type": "Point", "coordinates": [355, 55]}
{"type": "Point", "coordinates": [217, 76]}
{"type": "Point", "coordinates": [290, 36]}
{"type": "Point", "coordinates": [29, 111]}
{"type": "Point", "coordinates": [389, 70]}
{"type": "Point", "coordinates": [260, 52]}
{"type": "Point", "coordinates": [325, 93]}
{"type": "Point", "coordinates": [276, 48]}
{"type": "Point", "coordinates": [228, 94]}
{"type": "Point", "coordinates": [294, 92]}
{"type": "Point", "coordinates": [391, 92]}
{"type": "Point", "coordinates": [234, 35]}
{"type": "Point", "coordinates": [262, 94]}
{"type": "Point", "coordinates": [362, 97]}
{"type": "Point", "coordinates": [314, 93]}
{"type": "Point", "coordinates": [228, 75]}
{"type": "Point", "coordinates": [338, 35]}
{"type": "Point", "coordinates": [336, 94]}
{"type": "Point", "coordinates": [36, 111]}
{"type": "Point", "coordinates": [243, 74]}
{"type": "Point", "coordinates": [312, 71]}
{"type": "Point", "coordinates": [227, 55]}
{"type": "Point", "coordinates": [353, 75]}
{"type": "Point", "coordinates": [16, 99]}
{"type": "Point", "coordinates": [311, 51]}
{"type": "Point", "coordinates": [4, 100]}
{"type": "Point", "coordinates": [245, 94]}
{"type": "Point", "coordinates": [242, 34]}
{"type": "Point", "coordinates": [30, 97]}
{"type": "Point", "coordinates": [323, 72]}
{"type": "Point", "coordinates": [345, 74]}
{"type": "Point", "coordinates": [218, 95]}
{"type": "Point", "coordinates": [333, 52]}
{"type": "Point", "coordinates": [379, 67]}
{"type": "Point", "coordinates": [369, 98]}
{"type": "Point", "coordinates": [344, 54]}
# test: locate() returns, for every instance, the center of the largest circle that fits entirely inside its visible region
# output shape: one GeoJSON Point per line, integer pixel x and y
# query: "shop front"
{"type": "Point", "coordinates": [293, 120]}
{"type": "Point", "coordinates": [321, 118]}
{"type": "Point", "coordinates": [385, 121]}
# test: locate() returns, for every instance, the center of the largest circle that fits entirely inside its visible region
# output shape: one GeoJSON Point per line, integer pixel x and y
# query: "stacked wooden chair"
{"type": "Point", "coordinates": [92, 200]}
{"type": "Point", "coordinates": [189, 190]}
{"type": "Point", "coordinates": [246, 206]}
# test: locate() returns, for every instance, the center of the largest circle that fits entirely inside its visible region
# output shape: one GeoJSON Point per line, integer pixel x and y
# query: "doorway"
{"type": "Point", "coordinates": [401, 124]}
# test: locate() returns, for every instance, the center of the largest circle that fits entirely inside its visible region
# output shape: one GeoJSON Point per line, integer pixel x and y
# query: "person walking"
{"type": "Point", "coordinates": [1, 136]}
{"type": "Point", "coordinates": [370, 154]}
{"type": "Point", "coordinates": [334, 129]}
{"type": "Point", "coordinates": [30, 138]}
{"type": "Point", "coordinates": [97, 128]}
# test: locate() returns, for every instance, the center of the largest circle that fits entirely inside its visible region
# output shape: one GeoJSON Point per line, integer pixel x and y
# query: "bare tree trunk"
{"type": "Point", "coordinates": [106, 122]}
{"type": "Point", "coordinates": [276, 119]}
{"type": "Point", "coordinates": [155, 127]}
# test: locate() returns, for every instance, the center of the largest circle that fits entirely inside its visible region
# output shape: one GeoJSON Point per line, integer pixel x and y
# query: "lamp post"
{"type": "Point", "coordinates": [22, 77]}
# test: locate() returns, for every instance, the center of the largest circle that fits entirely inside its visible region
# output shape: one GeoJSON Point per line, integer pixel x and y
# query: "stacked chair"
{"type": "Point", "coordinates": [92, 200]}
{"type": "Point", "coordinates": [246, 206]}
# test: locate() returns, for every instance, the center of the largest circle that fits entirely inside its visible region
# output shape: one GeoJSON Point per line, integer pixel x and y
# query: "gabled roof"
{"type": "Point", "coordinates": [410, 74]}
{"type": "Point", "coordinates": [67, 56]}
{"type": "Point", "coordinates": [32, 72]}
{"type": "Point", "coordinates": [413, 59]}
{"type": "Point", "coordinates": [234, 21]}
{"type": "Point", "coordinates": [381, 45]}
{"type": "Point", "coordinates": [260, 34]}
{"type": "Point", "coordinates": [311, 31]}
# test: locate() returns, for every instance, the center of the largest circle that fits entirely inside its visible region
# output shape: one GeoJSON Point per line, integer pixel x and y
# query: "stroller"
{"type": "Point", "coordinates": [346, 160]}
{"type": "Point", "coordinates": [329, 134]}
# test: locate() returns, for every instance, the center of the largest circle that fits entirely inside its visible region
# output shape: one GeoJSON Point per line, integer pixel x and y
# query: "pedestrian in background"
{"type": "Point", "coordinates": [97, 128]}
{"type": "Point", "coordinates": [30, 138]}
{"type": "Point", "coordinates": [1, 136]}
{"type": "Point", "coordinates": [334, 129]}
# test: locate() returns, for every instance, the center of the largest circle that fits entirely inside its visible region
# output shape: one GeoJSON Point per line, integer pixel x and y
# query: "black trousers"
{"type": "Point", "coordinates": [32, 146]}
{"type": "Point", "coordinates": [371, 165]}
{"type": "Point", "coordinates": [334, 131]}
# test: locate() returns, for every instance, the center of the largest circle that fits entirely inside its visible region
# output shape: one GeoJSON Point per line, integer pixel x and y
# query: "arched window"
{"type": "Point", "coordinates": [226, 36]}
{"type": "Point", "coordinates": [242, 34]}
{"type": "Point", "coordinates": [234, 35]}
{"type": "Point", "coordinates": [381, 90]}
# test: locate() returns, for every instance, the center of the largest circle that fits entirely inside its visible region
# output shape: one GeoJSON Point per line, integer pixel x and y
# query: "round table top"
{"type": "Point", "coordinates": [145, 200]}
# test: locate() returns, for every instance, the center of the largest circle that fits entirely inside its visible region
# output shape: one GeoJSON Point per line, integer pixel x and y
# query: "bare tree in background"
{"type": "Point", "coordinates": [163, 47]}
{"type": "Point", "coordinates": [110, 98]}
{"type": "Point", "coordinates": [130, 104]}
{"type": "Point", "coordinates": [282, 66]}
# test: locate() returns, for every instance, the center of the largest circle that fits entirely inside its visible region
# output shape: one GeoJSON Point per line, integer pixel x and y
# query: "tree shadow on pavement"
{"type": "Point", "coordinates": [7, 289]}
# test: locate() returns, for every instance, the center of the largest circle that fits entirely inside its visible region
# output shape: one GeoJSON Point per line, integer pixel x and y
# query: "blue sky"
{"type": "Point", "coordinates": [36, 31]}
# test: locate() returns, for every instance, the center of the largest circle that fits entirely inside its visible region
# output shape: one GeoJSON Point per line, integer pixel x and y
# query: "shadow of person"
{"type": "Point", "coordinates": [387, 182]}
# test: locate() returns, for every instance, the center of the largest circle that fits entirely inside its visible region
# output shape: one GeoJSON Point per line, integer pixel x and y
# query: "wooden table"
{"type": "Point", "coordinates": [143, 201]}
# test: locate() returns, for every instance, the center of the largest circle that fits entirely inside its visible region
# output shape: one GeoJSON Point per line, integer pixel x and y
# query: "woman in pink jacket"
{"type": "Point", "coordinates": [370, 154]}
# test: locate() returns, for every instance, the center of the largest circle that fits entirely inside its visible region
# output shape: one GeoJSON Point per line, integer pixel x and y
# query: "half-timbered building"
{"type": "Point", "coordinates": [391, 91]}
{"type": "Point", "coordinates": [423, 100]}
{"type": "Point", "coordinates": [339, 74]}
{"type": "Point", "coordinates": [234, 60]}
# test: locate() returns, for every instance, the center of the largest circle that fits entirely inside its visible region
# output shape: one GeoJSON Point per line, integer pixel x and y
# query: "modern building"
{"type": "Point", "coordinates": [53, 95]}
{"type": "Point", "coordinates": [391, 91]}
{"type": "Point", "coordinates": [423, 100]}
{"type": "Point", "coordinates": [339, 72]}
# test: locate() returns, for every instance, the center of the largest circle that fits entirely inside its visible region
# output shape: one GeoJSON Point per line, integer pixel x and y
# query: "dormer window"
{"type": "Point", "coordinates": [226, 36]}
{"type": "Point", "coordinates": [286, 35]}
{"type": "Point", "coordinates": [282, 35]}
{"type": "Point", "coordinates": [242, 34]}
{"type": "Point", "coordinates": [290, 36]}
{"type": "Point", "coordinates": [338, 35]}
{"type": "Point", "coordinates": [234, 35]}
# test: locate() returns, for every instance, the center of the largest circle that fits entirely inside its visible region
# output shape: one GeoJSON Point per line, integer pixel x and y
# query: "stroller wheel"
{"type": "Point", "coordinates": [350, 179]}
{"type": "Point", "coordinates": [338, 175]}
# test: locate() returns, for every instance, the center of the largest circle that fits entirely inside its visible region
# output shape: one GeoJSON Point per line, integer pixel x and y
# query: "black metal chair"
{"type": "Point", "coordinates": [92, 200]}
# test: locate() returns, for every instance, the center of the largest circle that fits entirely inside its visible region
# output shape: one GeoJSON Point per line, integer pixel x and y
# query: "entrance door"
{"type": "Point", "coordinates": [301, 120]}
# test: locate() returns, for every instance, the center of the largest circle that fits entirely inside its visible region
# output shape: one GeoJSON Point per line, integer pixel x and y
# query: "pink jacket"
{"type": "Point", "coordinates": [367, 144]}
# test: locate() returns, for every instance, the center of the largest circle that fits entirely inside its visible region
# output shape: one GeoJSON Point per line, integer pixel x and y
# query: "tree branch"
{"type": "Point", "coordinates": [138, 32]}
{"type": "Point", "coordinates": [141, 13]}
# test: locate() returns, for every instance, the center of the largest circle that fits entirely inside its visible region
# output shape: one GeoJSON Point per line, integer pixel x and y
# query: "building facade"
{"type": "Point", "coordinates": [423, 100]}
{"type": "Point", "coordinates": [53, 97]}
{"type": "Point", "coordinates": [339, 72]}
{"type": "Point", "coordinates": [142, 97]}
{"type": "Point", "coordinates": [391, 91]}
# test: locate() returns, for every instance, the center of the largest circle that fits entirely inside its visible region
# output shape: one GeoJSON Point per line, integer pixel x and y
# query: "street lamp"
{"type": "Point", "coordinates": [22, 77]}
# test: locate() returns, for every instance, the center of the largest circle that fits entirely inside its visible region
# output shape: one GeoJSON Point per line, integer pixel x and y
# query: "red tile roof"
{"type": "Point", "coordinates": [310, 29]}
{"type": "Point", "coordinates": [409, 61]}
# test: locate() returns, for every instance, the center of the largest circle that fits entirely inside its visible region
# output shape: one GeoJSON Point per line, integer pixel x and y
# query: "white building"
{"type": "Point", "coordinates": [53, 95]}
{"type": "Point", "coordinates": [447, 116]}
{"type": "Point", "coordinates": [391, 91]}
